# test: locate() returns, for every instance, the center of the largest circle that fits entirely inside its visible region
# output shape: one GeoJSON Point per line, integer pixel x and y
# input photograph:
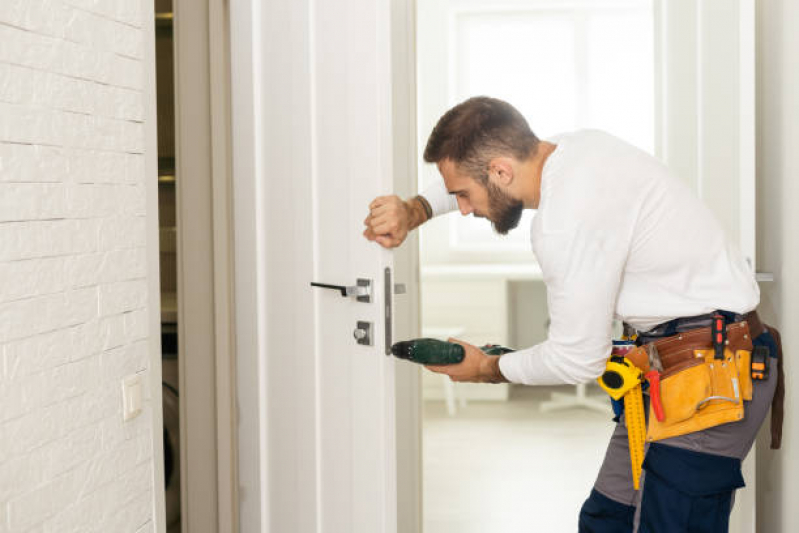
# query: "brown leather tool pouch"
{"type": "Point", "coordinates": [698, 391]}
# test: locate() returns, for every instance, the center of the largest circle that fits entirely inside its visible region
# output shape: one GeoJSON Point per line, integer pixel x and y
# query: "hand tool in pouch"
{"type": "Point", "coordinates": [622, 379]}
{"type": "Point", "coordinates": [653, 377]}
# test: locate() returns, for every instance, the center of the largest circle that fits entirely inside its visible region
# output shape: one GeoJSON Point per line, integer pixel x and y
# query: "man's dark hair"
{"type": "Point", "coordinates": [477, 130]}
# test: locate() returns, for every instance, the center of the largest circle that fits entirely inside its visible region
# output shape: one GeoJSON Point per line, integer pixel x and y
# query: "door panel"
{"type": "Point", "coordinates": [352, 160]}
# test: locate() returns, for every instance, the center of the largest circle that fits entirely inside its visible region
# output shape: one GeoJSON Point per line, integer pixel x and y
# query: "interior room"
{"type": "Point", "coordinates": [196, 328]}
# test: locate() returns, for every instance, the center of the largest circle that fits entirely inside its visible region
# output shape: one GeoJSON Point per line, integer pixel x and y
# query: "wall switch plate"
{"type": "Point", "coordinates": [132, 394]}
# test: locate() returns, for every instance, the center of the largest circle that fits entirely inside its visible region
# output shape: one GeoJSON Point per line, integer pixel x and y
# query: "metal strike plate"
{"type": "Point", "coordinates": [364, 290]}
{"type": "Point", "coordinates": [363, 333]}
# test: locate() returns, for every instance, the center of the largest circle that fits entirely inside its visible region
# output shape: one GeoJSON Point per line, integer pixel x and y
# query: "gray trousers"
{"type": "Point", "coordinates": [734, 440]}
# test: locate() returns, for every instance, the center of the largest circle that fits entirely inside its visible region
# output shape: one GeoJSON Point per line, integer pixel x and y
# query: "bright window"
{"type": "Point", "coordinates": [565, 66]}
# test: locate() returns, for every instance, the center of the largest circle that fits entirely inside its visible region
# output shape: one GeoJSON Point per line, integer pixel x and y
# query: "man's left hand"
{"type": "Point", "coordinates": [476, 367]}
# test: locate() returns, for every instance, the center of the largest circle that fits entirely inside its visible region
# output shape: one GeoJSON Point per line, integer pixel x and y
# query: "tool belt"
{"type": "Point", "coordinates": [704, 384]}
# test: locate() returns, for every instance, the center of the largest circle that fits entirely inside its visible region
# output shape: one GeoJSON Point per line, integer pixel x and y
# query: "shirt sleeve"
{"type": "Point", "coordinates": [583, 272]}
{"type": "Point", "coordinates": [439, 198]}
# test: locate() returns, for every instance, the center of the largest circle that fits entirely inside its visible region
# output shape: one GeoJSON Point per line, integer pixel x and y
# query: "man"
{"type": "Point", "coordinates": [616, 236]}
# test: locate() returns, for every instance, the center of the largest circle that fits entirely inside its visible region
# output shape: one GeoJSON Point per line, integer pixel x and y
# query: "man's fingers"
{"type": "Point", "coordinates": [384, 228]}
{"type": "Point", "coordinates": [377, 202]}
{"type": "Point", "coordinates": [386, 242]}
{"type": "Point", "coordinates": [456, 341]}
{"type": "Point", "coordinates": [379, 210]}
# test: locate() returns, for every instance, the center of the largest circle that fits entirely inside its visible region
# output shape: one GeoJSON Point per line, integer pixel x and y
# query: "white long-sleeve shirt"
{"type": "Point", "coordinates": [617, 235]}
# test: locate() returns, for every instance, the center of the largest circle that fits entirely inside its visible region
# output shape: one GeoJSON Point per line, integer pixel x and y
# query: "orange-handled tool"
{"type": "Point", "coordinates": [653, 376]}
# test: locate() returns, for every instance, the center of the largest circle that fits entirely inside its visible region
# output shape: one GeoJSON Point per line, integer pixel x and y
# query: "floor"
{"type": "Point", "coordinates": [504, 467]}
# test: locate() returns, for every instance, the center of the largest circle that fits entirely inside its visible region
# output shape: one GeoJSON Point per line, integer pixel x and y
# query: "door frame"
{"type": "Point", "coordinates": [206, 321]}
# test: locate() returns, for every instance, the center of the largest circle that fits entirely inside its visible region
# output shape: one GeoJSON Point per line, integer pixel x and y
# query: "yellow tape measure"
{"type": "Point", "coordinates": [622, 379]}
{"type": "Point", "coordinates": [636, 430]}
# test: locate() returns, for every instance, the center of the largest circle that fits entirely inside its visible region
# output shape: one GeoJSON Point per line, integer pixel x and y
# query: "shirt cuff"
{"type": "Point", "coordinates": [439, 198]}
{"type": "Point", "coordinates": [509, 367]}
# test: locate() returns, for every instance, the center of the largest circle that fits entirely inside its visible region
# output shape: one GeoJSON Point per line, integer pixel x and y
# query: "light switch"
{"type": "Point", "coordinates": [132, 395]}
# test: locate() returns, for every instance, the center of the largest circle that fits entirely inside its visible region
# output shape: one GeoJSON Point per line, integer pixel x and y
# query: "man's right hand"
{"type": "Point", "coordinates": [390, 219]}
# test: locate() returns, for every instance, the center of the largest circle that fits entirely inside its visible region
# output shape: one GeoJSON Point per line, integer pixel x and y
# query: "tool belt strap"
{"type": "Point", "coordinates": [677, 353]}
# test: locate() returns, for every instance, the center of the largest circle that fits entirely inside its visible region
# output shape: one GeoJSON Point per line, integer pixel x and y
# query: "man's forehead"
{"type": "Point", "coordinates": [454, 179]}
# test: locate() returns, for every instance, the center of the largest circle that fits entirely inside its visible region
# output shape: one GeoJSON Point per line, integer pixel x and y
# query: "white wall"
{"type": "Point", "coordinates": [74, 312]}
{"type": "Point", "coordinates": [778, 220]}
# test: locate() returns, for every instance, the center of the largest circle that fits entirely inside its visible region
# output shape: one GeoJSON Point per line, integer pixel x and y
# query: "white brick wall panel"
{"type": "Point", "coordinates": [75, 60]}
{"type": "Point", "coordinates": [72, 244]}
{"type": "Point", "coordinates": [77, 447]}
{"type": "Point", "coordinates": [24, 85]}
{"type": "Point", "coordinates": [72, 379]}
{"type": "Point", "coordinates": [146, 528]}
{"type": "Point", "coordinates": [72, 308]}
{"type": "Point", "coordinates": [84, 516]}
{"type": "Point", "coordinates": [43, 314]}
{"type": "Point", "coordinates": [140, 429]}
{"type": "Point", "coordinates": [22, 396]}
{"type": "Point", "coordinates": [90, 200]}
{"type": "Point", "coordinates": [118, 465]}
{"type": "Point", "coordinates": [36, 354]}
{"type": "Point", "coordinates": [131, 517]}
{"type": "Point", "coordinates": [123, 361]}
{"type": "Point", "coordinates": [136, 325]}
{"type": "Point", "coordinates": [28, 240]}
{"type": "Point", "coordinates": [24, 48]}
{"type": "Point", "coordinates": [21, 435]}
{"type": "Point", "coordinates": [122, 296]}
{"type": "Point", "coordinates": [13, 87]}
{"type": "Point", "coordinates": [46, 17]}
{"type": "Point", "coordinates": [129, 13]}
{"type": "Point", "coordinates": [112, 331]}
{"type": "Point", "coordinates": [32, 201]}
{"type": "Point", "coordinates": [135, 169]}
{"type": "Point", "coordinates": [122, 232]}
{"type": "Point", "coordinates": [127, 264]}
{"type": "Point", "coordinates": [32, 507]}
{"type": "Point", "coordinates": [32, 163]}
{"type": "Point", "coordinates": [119, 265]}
{"type": "Point", "coordinates": [32, 277]}
{"type": "Point", "coordinates": [82, 270]}
{"type": "Point", "coordinates": [11, 11]}
{"type": "Point", "coordinates": [22, 476]}
{"type": "Point", "coordinates": [126, 72]}
{"type": "Point", "coordinates": [23, 318]}
{"type": "Point", "coordinates": [90, 269]}
{"type": "Point", "coordinates": [129, 41]}
{"type": "Point", "coordinates": [91, 166]}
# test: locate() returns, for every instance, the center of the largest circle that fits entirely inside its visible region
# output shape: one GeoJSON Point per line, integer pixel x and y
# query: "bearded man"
{"type": "Point", "coordinates": [616, 236]}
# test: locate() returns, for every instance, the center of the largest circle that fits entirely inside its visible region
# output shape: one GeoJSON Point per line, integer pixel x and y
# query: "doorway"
{"type": "Point", "coordinates": [594, 69]}
{"type": "Point", "coordinates": [192, 58]}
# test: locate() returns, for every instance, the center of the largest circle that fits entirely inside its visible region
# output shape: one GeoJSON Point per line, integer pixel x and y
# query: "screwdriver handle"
{"type": "Point", "coordinates": [653, 376]}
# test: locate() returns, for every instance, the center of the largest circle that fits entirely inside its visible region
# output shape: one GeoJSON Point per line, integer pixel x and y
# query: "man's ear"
{"type": "Point", "coordinates": [500, 170]}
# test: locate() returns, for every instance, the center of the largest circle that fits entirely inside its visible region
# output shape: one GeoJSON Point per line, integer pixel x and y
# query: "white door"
{"type": "Point", "coordinates": [353, 136]}
{"type": "Point", "coordinates": [313, 143]}
{"type": "Point", "coordinates": [706, 116]}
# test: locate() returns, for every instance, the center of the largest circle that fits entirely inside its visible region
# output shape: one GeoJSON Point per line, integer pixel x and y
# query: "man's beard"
{"type": "Point", "coordinates": [504, 211]}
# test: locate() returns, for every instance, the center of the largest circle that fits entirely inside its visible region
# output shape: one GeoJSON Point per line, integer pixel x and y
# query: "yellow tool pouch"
{"type": "Point", "coordinates": [703, 395]}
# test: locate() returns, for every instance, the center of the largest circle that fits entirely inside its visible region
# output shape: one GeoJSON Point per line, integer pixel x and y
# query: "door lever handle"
{"type": "Point", "coordinates": [362, 291]}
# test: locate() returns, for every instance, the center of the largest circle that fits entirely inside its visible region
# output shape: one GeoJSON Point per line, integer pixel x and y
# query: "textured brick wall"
{"type": "Point", "coordinates": [73, 289]}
